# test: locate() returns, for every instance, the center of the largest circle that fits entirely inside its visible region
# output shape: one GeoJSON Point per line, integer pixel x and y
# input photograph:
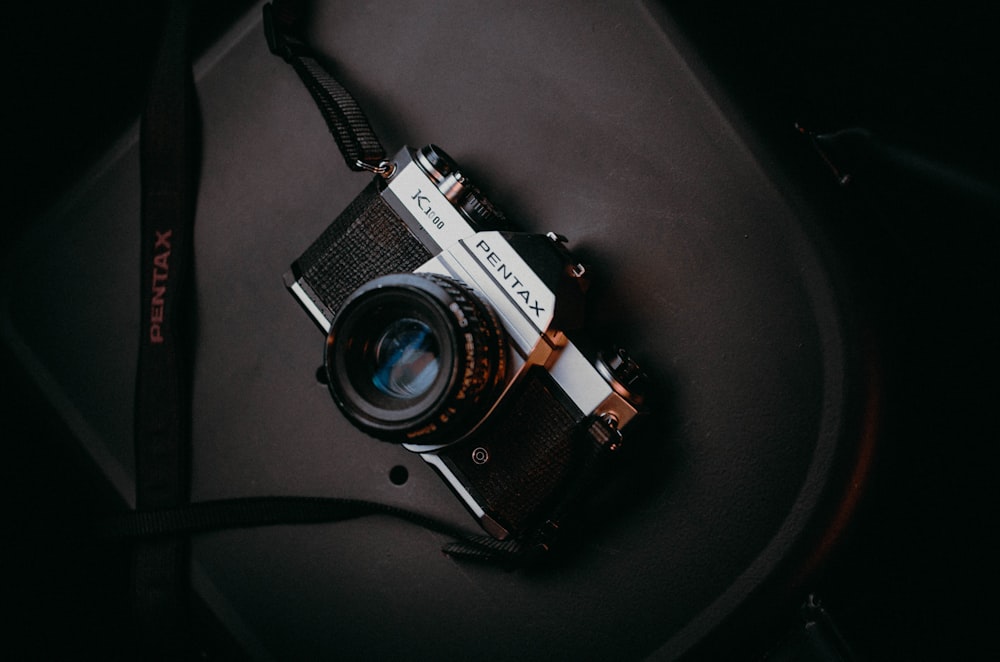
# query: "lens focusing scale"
{"type": "Point", "coordinates": [415, 358]}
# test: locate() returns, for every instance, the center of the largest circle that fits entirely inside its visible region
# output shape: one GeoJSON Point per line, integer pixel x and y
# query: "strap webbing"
{"type": "Point", "coordinates": [245, 512]}
{"type": "Point", "coordinates": [357, 141]}
{"type": "Point", "coordinates": [168, 147]}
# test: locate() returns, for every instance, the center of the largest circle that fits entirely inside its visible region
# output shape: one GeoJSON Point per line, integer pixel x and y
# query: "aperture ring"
{"type": "Point", "coordinates": [483, 364]}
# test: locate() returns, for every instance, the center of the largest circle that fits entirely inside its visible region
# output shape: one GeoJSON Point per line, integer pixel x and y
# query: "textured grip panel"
{"type": "Point", "coordinates": [533, 452]}
{"type": "Point", "coordinates": [366, 240]}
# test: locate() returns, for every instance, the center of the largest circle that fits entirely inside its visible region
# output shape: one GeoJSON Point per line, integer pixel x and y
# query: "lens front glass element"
{"type": "Point", "coordinates": [407, 359]}
{"type": "Point", "coordinates": [413, 356]}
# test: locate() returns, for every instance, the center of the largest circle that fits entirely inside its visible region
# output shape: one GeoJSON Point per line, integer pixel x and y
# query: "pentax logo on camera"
{"type": "Point", "coordinates": [161, 274]}
{"type": "Point", "coordinates": [507, 276]}
{"type": "Point", "coordinates": [513, 276]}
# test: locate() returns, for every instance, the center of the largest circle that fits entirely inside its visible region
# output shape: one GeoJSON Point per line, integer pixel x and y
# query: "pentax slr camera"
{"type": "Point", "coordinates": [451, 334]}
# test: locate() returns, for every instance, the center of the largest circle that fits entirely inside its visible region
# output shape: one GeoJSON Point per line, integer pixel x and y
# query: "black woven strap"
{"type": "Point", "coordinates": [350, 128]}
{"type": "Point", "coordinates": [247, 512]}
{"type": "Point", "coordinates": [168, 160]}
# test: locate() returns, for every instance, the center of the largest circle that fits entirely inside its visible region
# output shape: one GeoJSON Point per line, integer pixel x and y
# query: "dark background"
{"type": "Point", "coordinates": [915, 228]}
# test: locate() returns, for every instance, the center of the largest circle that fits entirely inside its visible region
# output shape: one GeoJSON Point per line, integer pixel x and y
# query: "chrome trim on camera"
{"type": "Point", "coordinates": [436, 462]}
{"type": "Point", "coordinates": [618, 409]}
{"type": "Point", "coordinates": [452, 187]}
{"type": "Point", "coordinates": [310, 306]}
{"type": "Point", "coordinates": [574, 373]}
{"type": "Point", "coordinates": [487, 522]}
{"type": "Point", "coordinates": [429, 214]}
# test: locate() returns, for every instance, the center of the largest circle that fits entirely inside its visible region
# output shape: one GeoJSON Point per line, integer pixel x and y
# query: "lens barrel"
{"type": "Point", "coordinates": [415, 358]}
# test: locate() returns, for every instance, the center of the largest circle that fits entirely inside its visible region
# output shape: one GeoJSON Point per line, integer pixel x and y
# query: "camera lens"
{"type": "Point", "coordinates": [407, 359]}
{"type": "Point", "coordinates": [415, 358]}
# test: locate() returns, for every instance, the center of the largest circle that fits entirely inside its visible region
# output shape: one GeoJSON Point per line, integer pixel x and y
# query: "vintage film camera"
{"type": "Point", "coordinates": [448, 333]}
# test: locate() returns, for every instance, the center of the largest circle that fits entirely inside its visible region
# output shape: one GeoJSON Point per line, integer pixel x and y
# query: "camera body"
{"type": "Point", "coordinates": [451, 334]}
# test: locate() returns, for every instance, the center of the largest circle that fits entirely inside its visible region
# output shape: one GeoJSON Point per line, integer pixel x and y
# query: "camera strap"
{"type": "Point", "coordinates": [358, 143]}
{"type": "Point", "coordinates": [168, 162]}
{"type": "Point", "coordinates": [251, 512]}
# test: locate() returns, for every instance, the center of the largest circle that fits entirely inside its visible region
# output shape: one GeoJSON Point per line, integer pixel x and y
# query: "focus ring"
{"type": "Point", "coordinates": [482, 362]}
{"type": "Point", "coordinates": [449, 373]}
